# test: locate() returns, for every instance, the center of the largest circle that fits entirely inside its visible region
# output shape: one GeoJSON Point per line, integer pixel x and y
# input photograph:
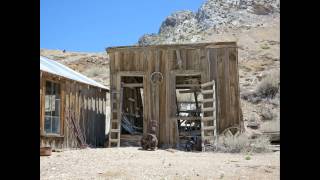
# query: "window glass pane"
{"type": "Point", "coordinates": [55, 124]}
{"type": "Point", "coordinates": [57, 90]}
{"type": "Point", "coordinates": [47, 124]}
{"type": "Point", "coordinates": [52, 108]}
{"type": "Point", "coordinates": [56, 111]}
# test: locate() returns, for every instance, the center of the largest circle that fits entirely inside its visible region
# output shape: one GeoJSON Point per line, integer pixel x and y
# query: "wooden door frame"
{"type": "Point", "coordinates": [119, 76]}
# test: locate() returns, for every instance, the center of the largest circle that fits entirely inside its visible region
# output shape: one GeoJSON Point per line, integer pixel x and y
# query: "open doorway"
{"type": "Point", "coordinates": [188, 104]}
{"type": "Point", "coordinates": [132, 111]}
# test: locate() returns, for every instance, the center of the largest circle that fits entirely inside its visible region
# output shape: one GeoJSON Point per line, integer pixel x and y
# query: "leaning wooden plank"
{"type": "Point", "coordinates": [207, 91]}
{"type": "Point", "coordinates": [207, 100]}
{"type": "Point", "coordinates": [208, 109]}
{"type": "Point", "coordinates": [207, 84]}
{"type": "Point", "coordinates": [208, 128]}
{"type": "Point", "coordinates": [210, 118]}
{"type": "Point", "coordinates": [115, 130]}
{"type": "Point", "coordinates": [114, 140]}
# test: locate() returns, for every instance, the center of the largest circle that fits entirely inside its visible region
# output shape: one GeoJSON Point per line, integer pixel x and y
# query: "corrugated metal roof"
{"type": "Point", "coordinates": [54, 67]}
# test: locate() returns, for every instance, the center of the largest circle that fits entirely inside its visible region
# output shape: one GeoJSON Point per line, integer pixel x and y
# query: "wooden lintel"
{"type": "Point", "coordinates": [132, 85]}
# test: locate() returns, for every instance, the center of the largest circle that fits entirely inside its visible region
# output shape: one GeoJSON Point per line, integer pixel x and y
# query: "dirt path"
{"type": "Point", "coordinates": [131, 163]}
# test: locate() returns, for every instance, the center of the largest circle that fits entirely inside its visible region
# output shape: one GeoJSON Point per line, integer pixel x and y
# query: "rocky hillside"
{"type": "Point", "coordinates": [254, 24]}
{"type": "Point", "coordinates": [93, 65]}
{"type": "Point", "coordinates": [218, 16]}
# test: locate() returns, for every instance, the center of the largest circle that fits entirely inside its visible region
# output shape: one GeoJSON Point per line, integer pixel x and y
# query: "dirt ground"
{"type": "Point", "coordinates": [133, 163]}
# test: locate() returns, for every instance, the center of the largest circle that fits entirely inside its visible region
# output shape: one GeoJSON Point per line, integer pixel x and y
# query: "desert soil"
{"type": "Point", "coordinates": [133, 163]}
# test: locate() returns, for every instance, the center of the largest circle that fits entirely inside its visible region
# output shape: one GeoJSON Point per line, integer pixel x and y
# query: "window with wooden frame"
{"type": "Point", "coordinates": [52, 108]}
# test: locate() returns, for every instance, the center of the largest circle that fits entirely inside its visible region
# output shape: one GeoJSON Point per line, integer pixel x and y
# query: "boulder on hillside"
{"type": "Point", "coordinates": [175, 19]}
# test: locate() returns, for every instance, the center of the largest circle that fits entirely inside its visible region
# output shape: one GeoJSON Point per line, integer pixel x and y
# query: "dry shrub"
{"type": "Point", "coordinates": [233, 144]}
{"type": "Point", "coordinates": [95, 71]}
{"type": "Point", "coordinates": [242, 144]}
{"type": "Point", "coordinates": [260, 144]}
{"type": "Point", "coordinates": [268, 114]}
{"type": "Point", "coordinates": [251, 96]}
{"type": "Point", "coordinates": [269, 85]}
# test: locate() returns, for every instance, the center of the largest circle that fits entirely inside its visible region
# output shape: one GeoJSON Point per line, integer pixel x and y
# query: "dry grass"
{"type": "Point", "coordinates": [269, 85]}
{"type": "Point", "coordinates": [268, 88]}
{"type": "Point", "coordinates": [264, 46]}
{"type": "Point", "coordinates": [95, 71]}
{"type": "Point", "coordinates": [233, 144]}
{"type": "Point", "coordinates": [268, 114]}
{"type": "Point", "coordinates": [242, 144]}
{"type": "Point", "coordinates": [271, 126]}
{"type": "Point", "coordinates": [260, 144]}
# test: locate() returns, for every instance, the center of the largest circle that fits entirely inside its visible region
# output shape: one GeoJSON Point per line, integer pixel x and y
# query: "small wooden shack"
{"type": "Point", "coordinates": [147, 83]}
{"type": "Point", "coordinates": [72, 108]}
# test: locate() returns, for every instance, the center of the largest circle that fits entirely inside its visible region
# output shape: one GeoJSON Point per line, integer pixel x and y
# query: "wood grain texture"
{"type": "Point", "coordinates": [210, 61]}
{"type": "Point", "coordinates": [78, 98]}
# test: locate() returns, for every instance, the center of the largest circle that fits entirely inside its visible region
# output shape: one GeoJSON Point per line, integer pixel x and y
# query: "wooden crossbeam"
{"type": "Point", "coordinates": [208, 128]}
{"type": "Point", "coordinates": [189, 91]}
{"type": "Point", "coordinates": [207, 84]}
{"type": "Point", "coordinates": [208, 109]}
{"type": "Point", "coordinates": [207, 91]}
{"type": "Point", "coordinates": [133, 85]}
{"type": "Point", "coordinates": [187, 85]}
{"type": "Point", "coordinates": [188, 118]}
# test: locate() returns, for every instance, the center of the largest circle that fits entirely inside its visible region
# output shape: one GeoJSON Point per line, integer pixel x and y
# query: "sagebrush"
{"type": "Point", "coordinates": [269, 85]}
{"type": "Point", "coordinates": [268, 114]}
{"type": "Point", "coordinates": [95, 71]}
{"type": "Point", "coordinates": [267, 88]}
{"type": "Point", "coordinates": [243, 144]}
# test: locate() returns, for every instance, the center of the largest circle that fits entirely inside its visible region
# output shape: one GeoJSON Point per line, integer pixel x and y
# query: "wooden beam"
{"type": "Point", "coordinates": [131, 73]}
{"type": "Point", "coordinates": [207, 109]}
{"type": "Point", "coordinates": [187, 85]}
{"type": "Point", "coordinates": [207, 84]}
{"type": "Point", "coordinates": [207, 91]}
{"type": "Point", "coordinates": [189, 111]}
{"type": "Point", "coordinates": [188, 118]}
{"type": "Point", "coordinates": [188, 102]}
{"type": "Point", "coordinates": [133, 85]}
{"type": "Point", "coordinates": [189, 91]}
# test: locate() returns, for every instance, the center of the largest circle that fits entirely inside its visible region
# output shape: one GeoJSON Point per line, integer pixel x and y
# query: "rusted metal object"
{"type": "Point", "coordinates": [150, 140]}
{"type": "Point", "coordinates": [45, 151]}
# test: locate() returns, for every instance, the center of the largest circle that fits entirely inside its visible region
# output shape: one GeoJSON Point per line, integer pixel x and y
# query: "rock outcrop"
{"type": "Point", "coordinates": [217, 15]}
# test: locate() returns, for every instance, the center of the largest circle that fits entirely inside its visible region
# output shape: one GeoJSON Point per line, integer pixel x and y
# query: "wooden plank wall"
{"type": "Point", "coordinates": [214, 63]}
{"type": "Point", "coordinates": [89, 104]}
{"type": "Point", "coordinates": [227, 87]}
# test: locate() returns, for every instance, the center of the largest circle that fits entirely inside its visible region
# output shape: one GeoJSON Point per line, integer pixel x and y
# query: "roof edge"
{"type": "Point", "coordinates": [186, 45]}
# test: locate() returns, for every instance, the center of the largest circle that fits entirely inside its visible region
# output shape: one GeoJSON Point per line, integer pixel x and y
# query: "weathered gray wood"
{"type": "Point", "coordinates": [187, 85]}
{"type": "Point", "coordinates": [206, 62]}
{"type": "Point", "coordinates": [133, 85]}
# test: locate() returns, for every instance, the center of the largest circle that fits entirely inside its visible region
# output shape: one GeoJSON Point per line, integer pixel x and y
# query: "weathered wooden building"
{"type": "Point", "coordinates": [146, 81]}
{"type": "Point", "coordinates": [72, 107]}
